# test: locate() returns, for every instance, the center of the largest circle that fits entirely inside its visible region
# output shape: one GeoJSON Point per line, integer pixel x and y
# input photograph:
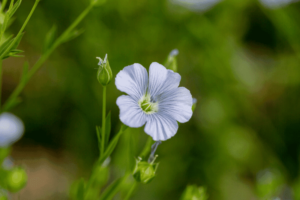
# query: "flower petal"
{"type": "Point", "coordinates": [177, 103]}
{"type": "Point", "coordinates": [161, 79]}
{"type": "Point", "coordinates": [161, 126]}
{"type": "Point", "coordinates": [130, 112]}
{"type": "Point", "coordinates": [133, 80]}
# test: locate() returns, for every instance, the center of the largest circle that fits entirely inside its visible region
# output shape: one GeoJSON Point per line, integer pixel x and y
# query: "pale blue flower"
{"type": "Point", "coordinates": [196, 5]}
{"type": "Point", "coordinates": [156, 101]}
{"type": "Point", "coordinates": [11, 129]}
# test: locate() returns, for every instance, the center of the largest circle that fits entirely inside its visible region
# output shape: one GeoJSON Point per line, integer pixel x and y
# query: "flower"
{"type": "Point", "coordinates": [11, 129]}
{"type": "Point", "coordinates": [156, 101]}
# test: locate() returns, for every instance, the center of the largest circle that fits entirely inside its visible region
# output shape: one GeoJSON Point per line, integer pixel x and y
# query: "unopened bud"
{"type": "Point", "coordinates": [16, 179]}
{"type": "Point", "coordinates": [104, 74]}
{"type": "Point", "coordinates": [171, 62]}
{"type": "Point", "coordinates": [194, 104]}
{"type": "Point", "coordinates": [193, 192]}
{"type": "Point", "coordinates": [144, 172]}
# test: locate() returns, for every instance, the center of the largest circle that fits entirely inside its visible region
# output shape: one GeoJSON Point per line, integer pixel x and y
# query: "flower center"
{"type": "Point", "coordinates": [148, 106]}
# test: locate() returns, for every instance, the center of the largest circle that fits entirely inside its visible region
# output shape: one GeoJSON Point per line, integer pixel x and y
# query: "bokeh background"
{"type": "Point", "coordinates": [240, 59]}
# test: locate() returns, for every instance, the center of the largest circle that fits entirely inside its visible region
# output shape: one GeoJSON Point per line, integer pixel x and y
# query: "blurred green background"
{"type": "Point", "coordinates": [240, 59]}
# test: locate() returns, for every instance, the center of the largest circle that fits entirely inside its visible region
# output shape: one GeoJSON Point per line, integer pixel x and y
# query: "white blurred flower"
{"type": "Point", "coordinates": [276, 3]}
{"type": "Point", "coordinates": [194, 100]}
{"type": "Point", "coordinates": [156, 101]}
{"type": "Point", "coordinates": [11, 129]}
{"type": "Point", "coordinates": [196, 5]}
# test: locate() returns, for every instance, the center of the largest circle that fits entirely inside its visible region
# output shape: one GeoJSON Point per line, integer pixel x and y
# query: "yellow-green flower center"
{"type": "Point", "coordinates": [148, 106]}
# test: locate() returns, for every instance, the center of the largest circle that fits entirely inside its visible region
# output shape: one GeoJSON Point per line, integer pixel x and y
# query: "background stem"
{"type": "Point", "coordinates": [44, 57]}
{"type": "Point", "coordinates": [21, 30]}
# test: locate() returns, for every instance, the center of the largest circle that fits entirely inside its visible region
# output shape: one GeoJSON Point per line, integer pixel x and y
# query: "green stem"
{"type": "Point", "coordinates": [131, 191]}
{"type": "Point", "coordinates": [103, 120]}
{"type": "Point", "coordinates": [43, 58]}
{"type": "Point", "coordinates": [21, 30]}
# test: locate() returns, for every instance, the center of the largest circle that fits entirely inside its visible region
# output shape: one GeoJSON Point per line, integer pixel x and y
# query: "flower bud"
{"type": "Point", "coordinates": [194, 192]}
{"type": "Point", "coordinates": [16, 179]}
{"type": "Point", "coordinates": [104, 74]}
{"type": "Point", "coordinates": [144, 172]}
{"type": "Point", "coordinates": [171, 62]}
{"type": "Point", "coordinates": [194, 104]}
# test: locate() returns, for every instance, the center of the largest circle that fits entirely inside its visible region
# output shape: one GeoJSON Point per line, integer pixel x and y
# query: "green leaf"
{"type": "Point", "coordinates": [50, 38]}
{"type": "Point", "coordinates": [98, 130]}
{"type": "Point", "coordinates": [107, 127]}
{"type": "Point", "coordinates": [12, 50]}
{"type": "Point", "coordinates": [13, 8]}
{"type": "Point", "coordinates": [72, 35]}
{"type": "Point", "coordinates": [10, 12]}
{"type": "Point", "coordinates": [81, 190]}
{"type": "Point", "coordinates": [77, 191]}
{"type": "Point", "coordinates": [15, 53]}
{"type": "Point", "coordinates": [112, 144]}
{"type": "Point", "coordinates": [18, 38]}
{"type": "Point", "coordinates": [113, 188]}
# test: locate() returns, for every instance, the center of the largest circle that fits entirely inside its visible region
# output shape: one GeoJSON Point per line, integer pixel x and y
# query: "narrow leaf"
{"type": "Point", "coordinates": [80, 190]}
{"type": "Point", "coordinates": [18, 38]}
{"type": "Point", "coordinates": [12, 9]}
{"type": "Point", "coordinates": [72, 35]}
{"type": "Point", "coordinates": [5, 44]}
{"type": "Point", "coordinates": [112, 144]}
{"type": "Point", "coordinates": [50, 37]}
{"type": "Point", "coordinates": [98, 130]}
{"type": "Point", "coordinates": [113, 188]}
{"type": "Point", "coordinates": [12, 50]}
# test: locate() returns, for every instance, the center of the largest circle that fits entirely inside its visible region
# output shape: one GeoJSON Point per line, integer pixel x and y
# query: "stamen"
{"type": "Point", "coordinates": [148, 106]}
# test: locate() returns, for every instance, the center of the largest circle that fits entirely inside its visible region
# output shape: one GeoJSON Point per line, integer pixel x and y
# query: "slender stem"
{"type": "Point", "coordinates": [43, 58]}
{"type": "Point", "coordinates": [103, 119]}
{"type": "Point", "coordinates": [131, 191]}
{"type": "Point", "coordinates": [21, 30]}
{"type": "Point", "coordinates": [0, 82]}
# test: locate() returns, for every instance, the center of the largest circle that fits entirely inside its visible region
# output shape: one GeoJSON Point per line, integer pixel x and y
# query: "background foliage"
{"type": "Point", "coordinates": [239, 59]}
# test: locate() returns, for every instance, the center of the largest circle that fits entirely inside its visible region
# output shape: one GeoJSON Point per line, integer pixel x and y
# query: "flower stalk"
{"type": "Point", "coordinates": [103, 120]}
{"type": "Point", "coordinates": [64, 37]}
